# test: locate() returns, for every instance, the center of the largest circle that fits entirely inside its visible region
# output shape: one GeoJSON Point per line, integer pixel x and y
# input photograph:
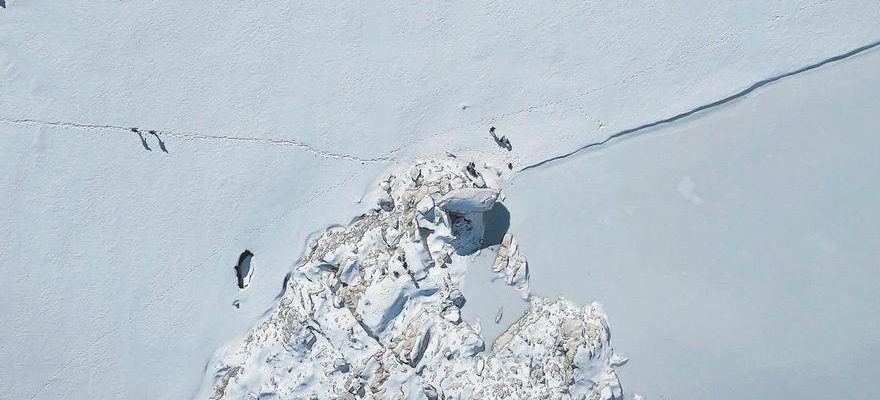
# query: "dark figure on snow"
{"type": "Point", "coordinates": [472, 169]}
{"type": "Point", "coordinates": [502, 141]}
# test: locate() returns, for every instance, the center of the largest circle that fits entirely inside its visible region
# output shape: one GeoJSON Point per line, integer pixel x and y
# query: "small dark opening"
{"type": "Point", "coordinates": [243, 269]}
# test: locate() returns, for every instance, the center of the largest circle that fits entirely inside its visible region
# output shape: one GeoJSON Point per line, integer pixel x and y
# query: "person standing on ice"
{"type": "Point", "coordinates": [502, 141]}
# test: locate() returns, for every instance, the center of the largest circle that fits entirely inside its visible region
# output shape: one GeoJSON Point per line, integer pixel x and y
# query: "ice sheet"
{"type": "Point", "coordinates": [736, 254]}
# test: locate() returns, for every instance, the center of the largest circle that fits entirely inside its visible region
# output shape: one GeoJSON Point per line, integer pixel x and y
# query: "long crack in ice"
{"type": "Point", "coordinates": [197, 136]}
{"type": "Point", "coordinates": [707, 106]}
{"type": "Point", "coordinates": [373, 311]}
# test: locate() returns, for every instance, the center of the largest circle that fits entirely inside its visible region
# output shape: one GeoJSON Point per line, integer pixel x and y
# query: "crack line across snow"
{"type": "Point", "coordinates": [181, 135]}
{"type": "Point", "coordinates": [707, 106]}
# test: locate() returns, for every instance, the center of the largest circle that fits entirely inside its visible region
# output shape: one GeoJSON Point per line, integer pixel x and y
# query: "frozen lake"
{"type": "Point", "coordinates": [737, 253]}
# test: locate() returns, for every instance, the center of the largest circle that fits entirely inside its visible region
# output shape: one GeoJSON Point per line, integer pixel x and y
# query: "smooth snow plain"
{"type": "Point", "coordinates": [738, 253]}
{"type": "Point", "coordinates": [117, 261]}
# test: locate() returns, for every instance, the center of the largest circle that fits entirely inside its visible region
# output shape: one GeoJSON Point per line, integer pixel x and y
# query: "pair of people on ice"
{"type": "Point", "coordinates": [151, 131]}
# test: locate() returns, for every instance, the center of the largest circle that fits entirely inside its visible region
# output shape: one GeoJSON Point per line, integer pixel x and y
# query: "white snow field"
{"type": "Point", "coordinates": [737, 254]}
{"type": "Point", "coordinates": [117, 252]}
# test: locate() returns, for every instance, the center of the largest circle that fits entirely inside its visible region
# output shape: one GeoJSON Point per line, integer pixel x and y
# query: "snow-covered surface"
{"type": "Point", "coordinates": [487, 296]}
{"type": "Point", "coordinates": [737, 254]}
{"type": "Point", "coordinates": [119, 263]}
{"type": "Point", "coordinates": [275, 117]}
{"type": "Point", "coordinates": [362, 317]}
{"type": "Point", "coordinates": [380, 80]}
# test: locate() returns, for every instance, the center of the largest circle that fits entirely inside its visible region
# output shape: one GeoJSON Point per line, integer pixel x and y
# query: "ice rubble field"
{"type": "Point", "coordinates": [277, 118]}
{"type": "Point", "coordinates": [374, 311]}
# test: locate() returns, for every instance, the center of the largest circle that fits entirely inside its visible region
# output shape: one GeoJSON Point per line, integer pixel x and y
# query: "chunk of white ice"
{"type": "Point", "coordinates": [469, 200]}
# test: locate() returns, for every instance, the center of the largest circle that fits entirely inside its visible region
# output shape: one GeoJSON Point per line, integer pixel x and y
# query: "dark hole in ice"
{"type": "Point", "coordinates": [496, 222]}
{"type": "Point", "coordinates": [461, 225]}
{"type": "Point", "coordinates": [243, 269]}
